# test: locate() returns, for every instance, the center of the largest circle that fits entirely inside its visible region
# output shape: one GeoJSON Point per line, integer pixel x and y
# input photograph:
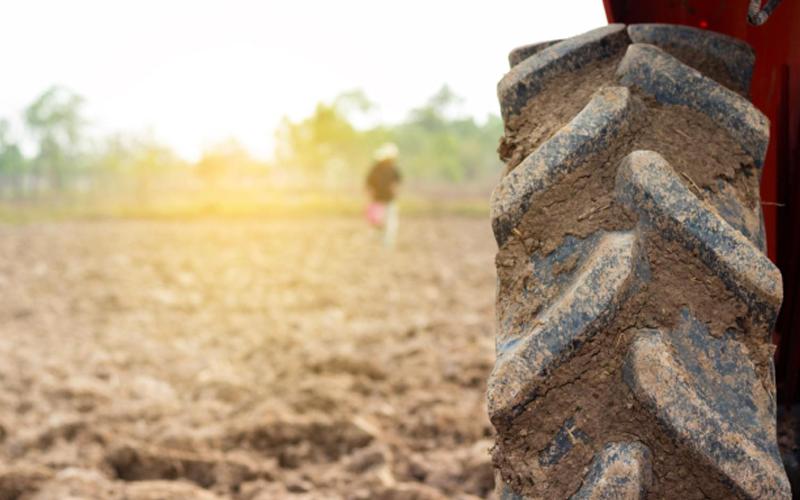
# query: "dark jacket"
{"type": "Point", "coordinates": [382, 180]}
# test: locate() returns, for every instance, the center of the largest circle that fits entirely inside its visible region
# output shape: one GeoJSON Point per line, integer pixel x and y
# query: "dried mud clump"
{"type": "Point", "coordinates": [565, 97]}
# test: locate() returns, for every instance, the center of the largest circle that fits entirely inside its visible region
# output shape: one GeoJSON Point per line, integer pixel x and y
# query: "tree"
{"type": "Point", "coordinates": [436, 114]}
{"type": "Point", "coordinates": [55, 120]}
{"type": "Point", "coordinates": [435, 144]}
{"type": "Point", "coordinates": [12, 163]}
{"type": "Point", "coordinates": [327, 139]}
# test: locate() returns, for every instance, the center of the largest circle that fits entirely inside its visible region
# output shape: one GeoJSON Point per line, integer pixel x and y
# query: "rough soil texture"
{"type": "Point", "coordinates": [245, 360]}
{"type": "Point", "coordinates": [554, 107]}
{"type": "Point", "coordinates": [589, 388]}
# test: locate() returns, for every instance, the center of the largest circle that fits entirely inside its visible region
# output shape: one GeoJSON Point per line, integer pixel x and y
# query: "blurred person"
{"type": "Point", "coordinates": [382, 183]}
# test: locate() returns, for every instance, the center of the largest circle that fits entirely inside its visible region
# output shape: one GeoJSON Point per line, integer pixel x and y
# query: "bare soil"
{"type": "Point", "coordinates": [245, 360]}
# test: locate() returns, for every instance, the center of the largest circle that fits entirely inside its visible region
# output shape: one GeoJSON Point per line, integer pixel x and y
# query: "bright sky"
{"type": "Point", "coordinates": [196, 72]}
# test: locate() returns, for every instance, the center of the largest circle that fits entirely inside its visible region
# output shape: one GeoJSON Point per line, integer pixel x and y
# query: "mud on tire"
{"type": "Point", "coordinates": [634, 301]}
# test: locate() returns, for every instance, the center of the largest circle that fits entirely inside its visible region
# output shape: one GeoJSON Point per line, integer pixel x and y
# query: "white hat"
{"type": "Point", "coordinates": [388, 151]}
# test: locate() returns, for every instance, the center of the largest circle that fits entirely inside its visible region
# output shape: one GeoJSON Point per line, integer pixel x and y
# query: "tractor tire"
{"type": "Point", "coordinates": [635, 301]}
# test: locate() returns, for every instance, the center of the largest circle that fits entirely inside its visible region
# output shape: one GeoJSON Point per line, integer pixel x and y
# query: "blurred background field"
{"type": "Point", "coordinates": [319, 167]}
{"type": "Point", "coordinates": [233, 108]}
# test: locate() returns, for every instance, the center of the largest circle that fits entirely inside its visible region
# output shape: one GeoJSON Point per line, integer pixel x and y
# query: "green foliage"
{"type": "Point", "coordinates": [12, 164]}
{"type": "Point", "coordinates": [55, 120]}
{"type": "Point", "coordinates": [327, 138]}
{"type": "Point", "coordinates": [325, 150]}
{"type": "Point", "coordinates": [435, 144]}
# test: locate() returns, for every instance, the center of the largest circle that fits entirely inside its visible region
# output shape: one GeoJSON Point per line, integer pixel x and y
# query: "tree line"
{"type": "Point", "coordinates": [434, 144]}
{"type": "Point", "coordinates": [324, 149]}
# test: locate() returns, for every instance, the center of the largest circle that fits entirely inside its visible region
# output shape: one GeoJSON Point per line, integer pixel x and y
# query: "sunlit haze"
{"type": "Point", "coordinates": [198, 72]}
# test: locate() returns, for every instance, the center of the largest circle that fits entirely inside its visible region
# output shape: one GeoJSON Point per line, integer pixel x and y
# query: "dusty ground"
{"type": "Point", "coordinates": [247, 360]}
